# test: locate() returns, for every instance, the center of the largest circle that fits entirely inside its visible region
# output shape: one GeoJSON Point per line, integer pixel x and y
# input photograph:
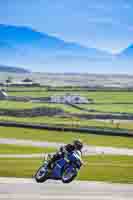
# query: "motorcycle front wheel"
{"type": "Point", "coordinates": [41, 174]}
{"type": "Point", "coordinates": [69, 173]}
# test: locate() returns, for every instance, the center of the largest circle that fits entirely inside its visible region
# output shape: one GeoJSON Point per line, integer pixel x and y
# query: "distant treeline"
{"type": "Point", "coordinates": [20, 85]}
{"type": "Point", "coordinates": [86, 88]}
{"type": "Point", "coordinates": [69, 88]}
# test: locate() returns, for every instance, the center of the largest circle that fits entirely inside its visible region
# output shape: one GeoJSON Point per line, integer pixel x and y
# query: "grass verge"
{"type": "Point", "coordinates": [72, 122]}
{"type": "Point", "coordinates": [108, 168]}
{"type": "Point", "coordinates": [16, 149]}
{"type": "Point", "coordinates": [97, 168]}
{"type": "Point", "coordinates": [14, 105]}
{"type": "Point", "coordinates": [65, 137]}
{"type": "Point", "coordinates": [113, 108]}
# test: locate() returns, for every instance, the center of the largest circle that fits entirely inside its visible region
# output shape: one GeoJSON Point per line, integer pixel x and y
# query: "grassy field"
{"type": "Point", "coordinates": [106, 97]}
{"type": "Point", "coordinates": [121, 108]}
{"type": "Point", "coordinates": [29, 105]}
{"type": "Point", "coordinates": [97, 168]}
{"type": "Point", "coordinates": [73, 122]}
{"type": "Point", "coordinates": [111, 97]}
{"type": "Point", "coordinates": [24, 88]}
{"type": "Point", "coordinates": [108, 168]}
{"type": "Point", "coordinates": [39, 93]}
{"type": "Point", "coordinates": [19, 105]}
{"type": "Point", "coordinates": [97, 96]}
{"type": "Point", "coordinates": [16, 149]}
{"type": "Point", "coordinates": [113, 108]}
{"type": "Point", "coordinates": [65, 137]}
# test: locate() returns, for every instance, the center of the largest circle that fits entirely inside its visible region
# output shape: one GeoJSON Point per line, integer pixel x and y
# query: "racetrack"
{"type": "Point", "coordinates": [87, 150]}
{"type": "Point", "coordinates": [25, 189]}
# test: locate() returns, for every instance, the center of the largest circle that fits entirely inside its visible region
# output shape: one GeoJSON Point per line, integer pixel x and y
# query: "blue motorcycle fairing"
{"type": "Point", "coordinates": [57, 171]}
{"type": "Point", "coordinates": [60, 164]}
{"type": "Point", "coordinates": [74, 160]}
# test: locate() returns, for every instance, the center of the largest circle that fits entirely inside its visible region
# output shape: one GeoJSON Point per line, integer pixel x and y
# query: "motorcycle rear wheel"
{"type": "Point", "coordinates": [69, 174]}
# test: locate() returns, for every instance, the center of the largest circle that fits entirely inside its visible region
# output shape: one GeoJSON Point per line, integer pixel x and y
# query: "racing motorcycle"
{"type": "Point", "coordinates": [64, 169]}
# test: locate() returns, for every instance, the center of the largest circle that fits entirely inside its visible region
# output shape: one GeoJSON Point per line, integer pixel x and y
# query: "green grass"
{"type": "Point", "coordinates": [13, 167]}
{"type": "Point", "coordinates": [24, 88]}
{"type": "Point", "coordinates": [108, 168]}
{"type": "Point", "coordinates": [44, 120]}
{"type": "Point", "coordinates": [122, 108]}
{"type": "Point", "coordinates": [36, 93]}
{"type": "Point", "coordinates": [98, 96]}
{"type": "Point", "coordinates": [110, 97]}
{"type": "Point", "coordinates": [65, 137]}
{"type": "Point", "coordinates": [29, 105]}
{"type": "Point", "coordinates": [17, 149]}
{"type": "Point", "coordinates": [19, 105]}
{"type": "Point", "coordinates": [73, 122]}
{"type": "Point", "coordinates": [97, 168]}
{"type": "Point", "coordinates": [23, 105]}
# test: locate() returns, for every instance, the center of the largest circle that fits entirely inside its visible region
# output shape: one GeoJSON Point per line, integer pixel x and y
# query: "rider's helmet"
{"type": "Point", "coordinates": [78, 145]}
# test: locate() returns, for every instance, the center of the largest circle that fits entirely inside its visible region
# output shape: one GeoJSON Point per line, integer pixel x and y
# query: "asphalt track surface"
{"type": "Point", "coordinates": [27, 189]}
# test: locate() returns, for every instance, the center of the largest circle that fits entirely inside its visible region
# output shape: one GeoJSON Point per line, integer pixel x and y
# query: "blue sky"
{"type": "Point", "coordinates": [103, 24]}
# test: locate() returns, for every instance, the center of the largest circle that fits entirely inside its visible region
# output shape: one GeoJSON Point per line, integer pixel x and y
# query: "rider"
{"type": "Point", "coordinates": [76, 145]}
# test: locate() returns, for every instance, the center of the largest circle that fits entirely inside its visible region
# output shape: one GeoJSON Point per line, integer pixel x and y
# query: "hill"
{"type": "Point", "coordinates": [23, 46]}
{"type": "Point", "coordinates": [13, 69]}
{"type": "Point", "coordinates": [128, 52]}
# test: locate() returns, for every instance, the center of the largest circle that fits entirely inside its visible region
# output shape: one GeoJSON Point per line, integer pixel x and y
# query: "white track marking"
{"type": "Point", "coordinates": [38, 155]}
{"type": "Point", "coordinates": [88, 150]}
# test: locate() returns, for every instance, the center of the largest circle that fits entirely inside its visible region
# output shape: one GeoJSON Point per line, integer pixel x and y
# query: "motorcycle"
{"type": "Point", "coordinates": [64, 169]}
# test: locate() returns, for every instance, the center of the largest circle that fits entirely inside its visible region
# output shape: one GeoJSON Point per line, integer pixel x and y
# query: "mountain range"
{"type": "Point", "coordinates": [12, 69]}
{"type": "Point", "coordinates": [128, 52]}
{"type": "Point", "coordinates": [36, 51]}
